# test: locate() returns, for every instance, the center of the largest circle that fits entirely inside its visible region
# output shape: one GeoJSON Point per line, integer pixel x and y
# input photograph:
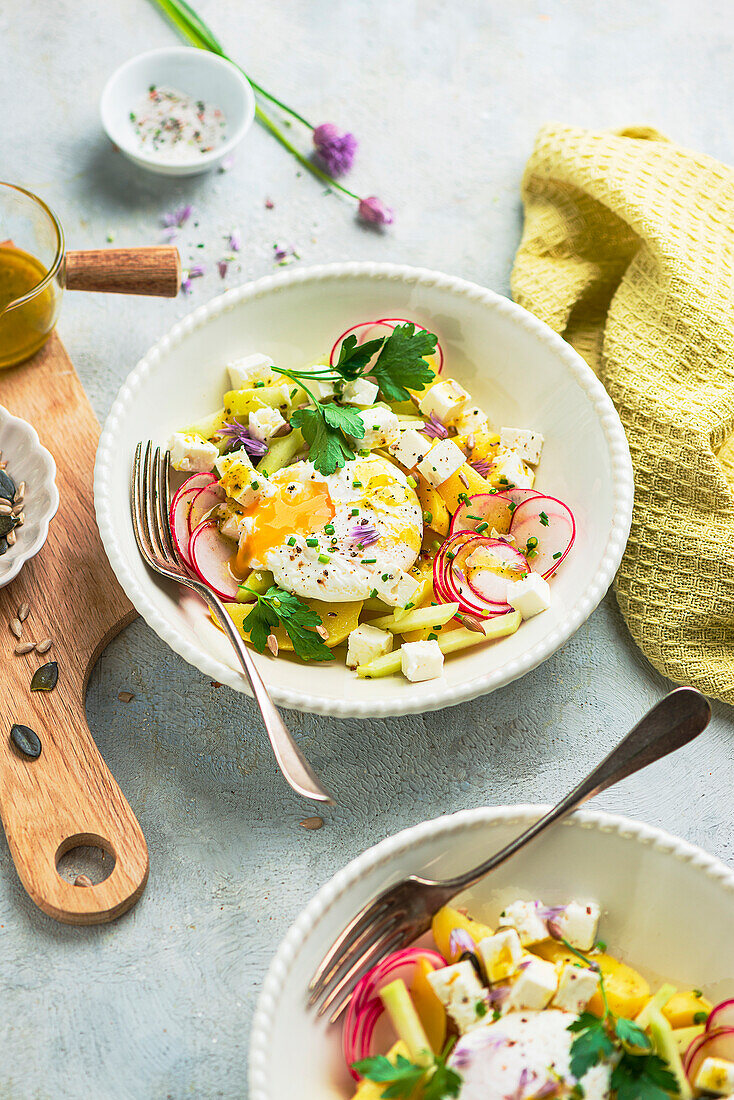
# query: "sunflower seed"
{"type": "Point", "coordinates": [23, 648]}
{"type": "Point", "coordinates": [125, 696]}
{"type": "Point", "coordinates": [16, 627]}
{"type": "Point", "coordinates": [83, 880]}
{"type": "Point", "coordinates": [24, 611]}
{"type": "Point", "coordinates": [273, 644]}
{"type": "Point", "coordinates": [463, 479]}
{"type": "Point", "coordinates": [20, 491]}
{"type": "Point", "coordinates": [18, 508]}
{"type": "Point", "coordinates": [20, 519]}
{"type": "Point", "coordinates": [5, 509]}
{"type": "Point", "coordinates": [312, 822]}
{"type": "Point", "coordinates": [322, 632]}
{"type": "Point", "coordinates": [44, 646]}
{"type": "Point", "coordinates": [471, 441]}
{"type": "Point", "coordinates": [11, 537]}
{"type": "Point", "coordinates": [26, 740]}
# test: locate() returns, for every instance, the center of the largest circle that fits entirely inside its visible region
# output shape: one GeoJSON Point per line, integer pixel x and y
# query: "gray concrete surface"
{"type": "Point", "coordinates": [445, 100]}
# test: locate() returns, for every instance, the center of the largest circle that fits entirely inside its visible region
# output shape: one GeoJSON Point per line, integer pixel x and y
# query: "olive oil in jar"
{"type": "Point", "coordinates": [24, 328]}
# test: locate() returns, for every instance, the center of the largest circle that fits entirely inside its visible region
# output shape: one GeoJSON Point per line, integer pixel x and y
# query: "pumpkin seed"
{"type": "Point", "coordinates": [46, 677]}
{"type": "Point", "coordinates": [44, 646]}
{"type": "Point", "coordinates": [16, 628]}
{"type": "Point", "coordinates": [24, 611]}
{"type": "Point", "coordinates": [7, 486]}
{"type": "Point", "coordinates": [7, 523]}
{"type": "Point", "coordinates": [26, 740]}
{"type": "Point", "coordinates": [3, 545]}
{"type": "Point", "coordinates": [312, 822]}
{"type": "Point", "coordinates": [23, 648]}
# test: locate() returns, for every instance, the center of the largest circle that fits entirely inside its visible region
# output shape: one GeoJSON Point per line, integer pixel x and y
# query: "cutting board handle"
{"type": "Point", "coordinates": [63, 800]}
{"type": "Point", "coordinates": [155, 271]}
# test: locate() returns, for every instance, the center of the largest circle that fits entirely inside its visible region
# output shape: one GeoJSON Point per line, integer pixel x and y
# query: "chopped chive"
{"type": "Point", "coordinates": [544, 519]}
{"type": "Point", "coordinates": [385, 576]}
{"type": "Point", "coordinates": [512, 506]}
{"type": "Point", "coordinates": [329, 528]}
{"type": "Point", "coordinates": [312, 542]}
{"type": "Point", "coordinates": [408, 606]}
{"type": "Point", "coordinates": [373, 593]}
{"type": "Point", "coordinates": [450, 555]}
{"type": "Point", "coordinates": [259, 385]}
{"type": "Point", "coordinates": [324, 559]}
{"type": "Point", "coordinates": [354, 512]}
{"type": "Point", "coordinates": [291, 541]}
{"type": "Point", "coordinates": [254, 484]}
{"type": "Point", "coordinates": [370, 561]}
{"type": "Point", "coordinates": [482, 527]}
{"type": "Point", "coordinates": [557, 555]}
{"type": "Point", "coordinates": [433, 637]}
{"type": "Point", "coordinates": [428, 517]}
{"type": "Point", "coordinates": [357, 484]}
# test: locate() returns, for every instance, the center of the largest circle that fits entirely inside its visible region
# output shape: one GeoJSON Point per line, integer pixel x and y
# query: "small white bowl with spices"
{"type": "Point", "coordinates": [28, 493]}
{"type": "Point", "coordinates": [178, 110]}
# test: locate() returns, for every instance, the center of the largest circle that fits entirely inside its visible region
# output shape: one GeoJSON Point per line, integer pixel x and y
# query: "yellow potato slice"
{"type": "Point", "coordinates": [340, 619]}
{"type": "Point", "coordinates": [627, 991]}
{"type": "Point", "coordinates": [465, 482]}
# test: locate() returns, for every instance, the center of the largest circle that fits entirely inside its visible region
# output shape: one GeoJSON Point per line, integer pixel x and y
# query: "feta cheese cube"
{"type": "Point", "coordinates": [191, 453]}
{"type": "Point", "coordinates": [469, 419]}
{"type": "Point", "coordinates": [443, 460]}
{"type": "Point", "coordinates": [366, 643]}
{"type": "Point", "coordinates": [534, 986]}
{"type": "Point", "coordinates": [380, 429]}
{"type": "Point", "coordinates": [525, 917]}
{"type": "Point", "coordinates": [716, 1075]}
{"type": "Point", "coordinates": [395, 588]}
{"type": "Point", "coordinates": [500, 954]}
{"type": "Point", "coordinates": [264, 423]}
{"type": "Point", "coordinates": [421, 661]}
{"type": "Point", "coordinates": [460, 992]}
{"type": "Point", "coordinates": [360, 392]}
{"type": "Point", "coordinates": [508, 472]}
{"type": "Point", "coordinates": [578, 924]}
{"type": "Point", "coordinates": [410, 448]}
{"type": "Point", "coordinates": [444, 400]}
{"type": "Point", "coordinates": [576, 986]}
{"type": "Point", "coordinates": [244, 373]}
{"type": "Point", "coordinates": [238, 477]}
{"type": "Point", "coordinates": [320, 390]}
{"type": "Point", "coordinates": [529, 596]}
{"type": "Point", "coordinates": [527, 445]}
{"type": "Point", "coordinates": [231, 524]}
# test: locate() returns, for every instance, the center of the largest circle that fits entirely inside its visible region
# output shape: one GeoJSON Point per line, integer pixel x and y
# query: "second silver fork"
{"type": "Point", "coordinates": [150, 498]}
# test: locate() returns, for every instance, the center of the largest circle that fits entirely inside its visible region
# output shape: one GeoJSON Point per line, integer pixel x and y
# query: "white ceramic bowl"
{"type": "Point", "coordinates": [200, 74]}
{"type": "Point", "coordinates": [30, 462]}
{"type": "Point", "coordinates": [667, 910]}
{"type": "Point", "coordinates": [515, 367]}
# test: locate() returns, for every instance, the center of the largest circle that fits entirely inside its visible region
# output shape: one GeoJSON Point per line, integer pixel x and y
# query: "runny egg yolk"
{"type": "Point", "coordinates": [295, 509]}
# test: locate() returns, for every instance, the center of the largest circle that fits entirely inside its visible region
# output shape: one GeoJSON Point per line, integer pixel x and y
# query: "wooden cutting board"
{"type": "Point", "coordinates": [66, 797]}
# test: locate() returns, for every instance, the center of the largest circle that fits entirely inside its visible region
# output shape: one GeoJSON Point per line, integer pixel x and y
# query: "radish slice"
{"type": "Point", "coordinates": [517, 496]}
{"type": "Point", "coordinates": [196, 481]}
{"type": "Point", "coordinates": [373, 330]}
{"type": "Point", "coordinates": [549, 521]}
{"type": "Point", "coordinates": [365, 1006]}
{"type": "Point", "coordinates": [494, 509]}
{"type": "Point", "coordinates": [718, 1043]}
{"type": "Point", "coordinates": [179, 521]}
{"type": "Point", "coordinates": [203, 502]}
{"type": "Point", "coordinates": [721, 1015]}
{"type": "Point", "coordinates": [450, 580]}
{"type": "Point", "coordinates": [211, 554]}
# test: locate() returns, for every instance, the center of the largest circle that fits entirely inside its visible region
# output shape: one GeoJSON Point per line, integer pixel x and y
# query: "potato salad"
{"type": "Point", "coordinates": [530, 1007]}
{"type": "Point", "coordinates": [365, 501]}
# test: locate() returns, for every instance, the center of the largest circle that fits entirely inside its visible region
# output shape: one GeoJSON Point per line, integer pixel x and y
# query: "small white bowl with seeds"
{"type": "Point", "coordinates": [29, 498]}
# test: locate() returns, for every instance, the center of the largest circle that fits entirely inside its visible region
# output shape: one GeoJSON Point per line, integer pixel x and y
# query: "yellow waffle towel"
{"type": "Point", "coordinates": [628, 252]}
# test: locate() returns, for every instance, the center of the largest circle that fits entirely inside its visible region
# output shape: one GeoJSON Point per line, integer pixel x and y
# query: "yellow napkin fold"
{"type": "Point", "coordinates": [628, 252]}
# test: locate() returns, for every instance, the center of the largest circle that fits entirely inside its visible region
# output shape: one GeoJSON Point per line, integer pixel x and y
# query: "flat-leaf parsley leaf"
{"type": "Point", "coordinates": [279, 608]}
{"type": "Point", "coordinates": [437, 1081]}
{"type": "Point", "coordinates": [325, 429]}
{"type": "Point", "coordinates": [401, 363]}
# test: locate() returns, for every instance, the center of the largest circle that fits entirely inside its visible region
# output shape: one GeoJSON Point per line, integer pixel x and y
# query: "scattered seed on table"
{"type": "Point", "coordinates": [23, 648]}
{"type": "Point", "coordinates": [83, 880]}
{"type": "Point", "coordinates": [46, 677]}
{"type": "Point", "coordinates": [312, 822]}
{"type": "Point", "coordinates": [26, 740]}
{"type": "Point", "coordinates": [16, 627]}
{"type": "Point", "coordinates": [44, 646]}
{"type": "Point", "coordinates": [23, 612]}
{"type": "Point", "coordinates": [125, 696]}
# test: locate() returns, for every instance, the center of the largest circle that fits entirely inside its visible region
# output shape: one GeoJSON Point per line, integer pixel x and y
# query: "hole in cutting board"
{"type": "Point", "coordinates": [85, 855]}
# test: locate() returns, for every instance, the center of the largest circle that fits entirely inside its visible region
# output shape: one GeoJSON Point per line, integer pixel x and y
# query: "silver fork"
{"type": "Point", "coordinates": [150, 498]}
{"type": "Point", "coordinates": [402, 913]}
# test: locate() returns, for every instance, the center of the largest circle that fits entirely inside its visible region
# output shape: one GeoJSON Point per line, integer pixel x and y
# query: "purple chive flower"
{"type": "Point", "coordinates": [177, 217]}
{"type": "Point", "coordinates": [522, 1084]}
{"type": "Point", "coordinates": [460, 941]}
{"type": "Point", "coordinates": [239, 436]}
{"type": "Point", "coordinates": [335, 149]}
{"type": "Point", "coordinates": [186, 285]}
{"type": "Point", "coordinates": [434, 428]}
{"type": "Point", "coordinates": [196, 271]}
{"type": "Point", "coordinates": [497, 996]}
{"type": "Point", "coordinates": [235, 241]}
{"type": "Point", "coordinates": [222, 266]}
{"type": "Point", "coordinates": [366, 535]}
{"type": "Point", "coordinates": [482, 466]}
{"type": "Point", "coordinates": [373, 211]}
{"type": "Point", "coordinates": [550, 1088]}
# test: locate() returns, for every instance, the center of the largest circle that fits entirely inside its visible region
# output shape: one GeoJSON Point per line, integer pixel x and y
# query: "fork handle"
{"type": "Point", "coordinates": [671, 723]}
{"type": "Point", "coordinates": [291, 761]}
